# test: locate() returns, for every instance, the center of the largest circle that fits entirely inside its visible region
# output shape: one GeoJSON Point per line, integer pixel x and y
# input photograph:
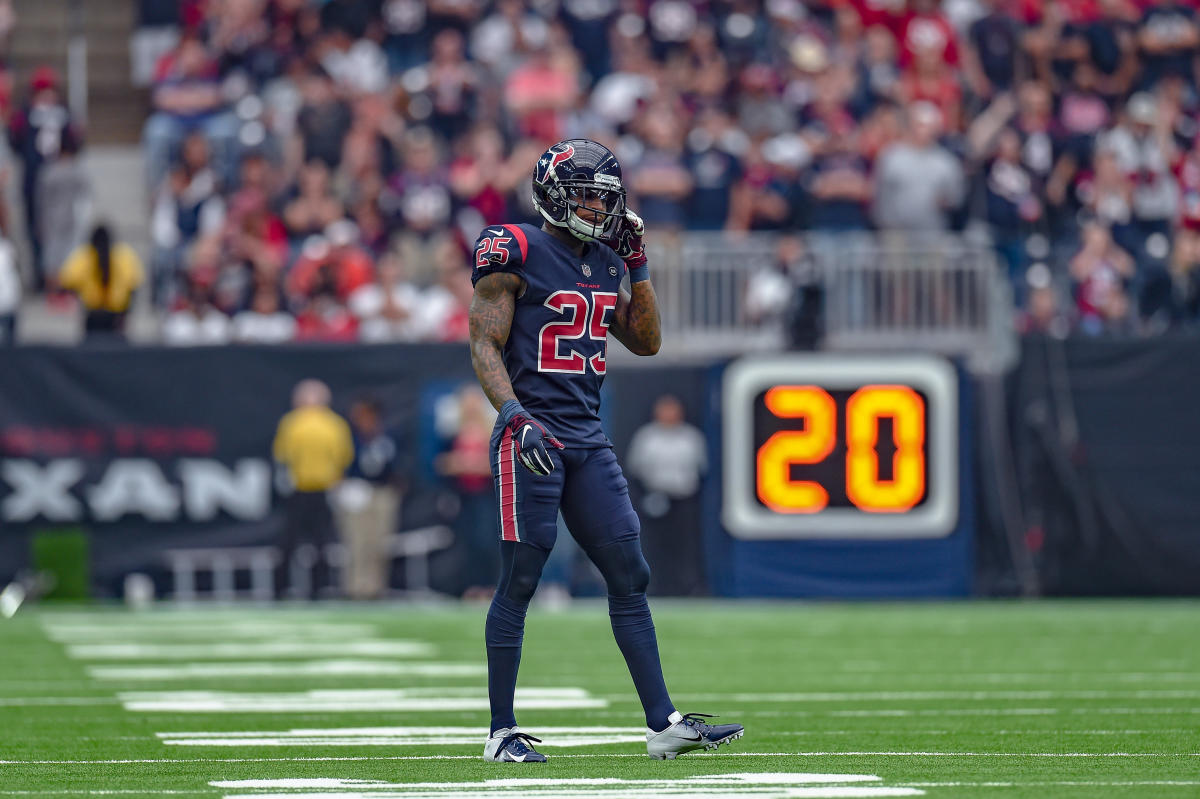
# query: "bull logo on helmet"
{"type": "Point", "coordinates": [556, 157]}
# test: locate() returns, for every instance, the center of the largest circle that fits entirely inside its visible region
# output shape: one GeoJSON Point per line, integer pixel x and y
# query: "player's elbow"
{"type": "Point", "coordinates": [647, 347]}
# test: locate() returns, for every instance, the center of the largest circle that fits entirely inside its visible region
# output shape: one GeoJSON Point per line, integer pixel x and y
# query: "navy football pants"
{"type": "Point", "coordinates": [589, 488]}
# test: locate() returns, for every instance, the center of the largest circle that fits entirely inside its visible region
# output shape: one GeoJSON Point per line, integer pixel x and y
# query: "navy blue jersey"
{"type": "Point", "coordinates": [559, 336]}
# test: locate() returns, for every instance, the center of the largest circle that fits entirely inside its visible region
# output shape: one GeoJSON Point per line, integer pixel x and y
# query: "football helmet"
{"type": "Point", "coordinates": [577, 186]}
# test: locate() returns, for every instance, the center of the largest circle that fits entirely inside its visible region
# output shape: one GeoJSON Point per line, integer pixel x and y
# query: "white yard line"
{"type": "Point", "coordinates": [927, 696]}
{"type": "Point", "coordinates": [250, 650]}
{"type": "Point", "coordinates": [297, 668]}
{"type": "Point", "coordinates": [361, 758]}
{"type": "Point", "coordinates": [53, 701]}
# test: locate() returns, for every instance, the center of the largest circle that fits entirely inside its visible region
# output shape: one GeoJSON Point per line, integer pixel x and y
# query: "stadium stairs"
{"type": "Point", "coordinates": [116, 111]}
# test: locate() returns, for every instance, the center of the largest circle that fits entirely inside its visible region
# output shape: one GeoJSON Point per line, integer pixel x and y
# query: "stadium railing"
{"type": "Point", "coordinates": [722, 294]}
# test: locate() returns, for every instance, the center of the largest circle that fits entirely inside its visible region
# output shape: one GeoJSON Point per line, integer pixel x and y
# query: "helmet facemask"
{"type": "Point", "coordinates": [594, 211]}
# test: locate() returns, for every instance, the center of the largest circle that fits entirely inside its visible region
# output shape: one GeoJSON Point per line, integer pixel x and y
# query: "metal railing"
{"type": "Point", "coordinates": [731, 294]}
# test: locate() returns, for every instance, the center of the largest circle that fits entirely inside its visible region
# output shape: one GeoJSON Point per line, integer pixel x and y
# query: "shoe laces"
{"type": "Point", "coordinates": [694, 720]}
{"type": "Point", "coordinates": [521, 742]}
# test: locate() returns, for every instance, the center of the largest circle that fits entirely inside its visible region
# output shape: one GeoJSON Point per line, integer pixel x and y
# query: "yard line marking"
{"type": "Point", "coordinates": [922, 696]}
{"type": "Point", "coordinates": [250, 649]}
{"type": "Point", "coordinates": [763, 785]}
{"type": "Point", "coordinates": [297, 668]}
{"type": "Point", "coordinates": [399, 736]}
{"type": "Point", "coordinates": [363, 758]}
{"type": "Point", "coordinates": [1064, 783]}
{"type": "Point", "coordinates": [53, 701]}
{"type": "Point", "coordinates": [215, 631]}
{"type": "Point", "coordinates": [352, 700]}
{"type": "Point", "coordinates": [552, 736]}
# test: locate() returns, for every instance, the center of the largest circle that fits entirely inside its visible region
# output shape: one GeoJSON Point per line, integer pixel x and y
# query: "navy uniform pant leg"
{"type": "Point", "coordinates": [527, 525]}
{"type": "Point", "coordinates": [600, 515]}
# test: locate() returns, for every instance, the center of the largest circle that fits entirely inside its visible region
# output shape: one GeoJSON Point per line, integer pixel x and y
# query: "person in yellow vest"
{"type": "Point", "coordinates": [315, 447]}
{"type": "Point", "coordinates": [103, 274]}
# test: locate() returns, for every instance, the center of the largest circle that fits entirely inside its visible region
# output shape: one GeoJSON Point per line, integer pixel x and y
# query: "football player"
{"type": "Point", "coordinates": [546, 299]}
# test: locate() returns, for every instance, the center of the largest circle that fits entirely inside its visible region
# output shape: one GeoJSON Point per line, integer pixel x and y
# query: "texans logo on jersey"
{"type": "Point", "coordinates": [556, 156]}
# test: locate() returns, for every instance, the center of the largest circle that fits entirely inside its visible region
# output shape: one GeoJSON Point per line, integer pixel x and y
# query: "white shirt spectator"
{"type": "Point", "coordinates": [251, 327]}
{"type": "Point", "coordinates": [1155, 191]}
{"type": "Point", "coordinates": [368, 304]}
{"type": "Point", "coordinates": [361, 68]}
{"type": "Point", "coordinates": [917, 187]}
{"type": "Point", "coordinates": [186, 328]}
{"type": "Point", "coordinates": [669, 458]}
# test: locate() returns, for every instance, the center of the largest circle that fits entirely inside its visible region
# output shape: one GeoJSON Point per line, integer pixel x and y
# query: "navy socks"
{"type": "Point", "coordinates": [503, 633]}
{"type": "Point", "coordinates": [634, 630]}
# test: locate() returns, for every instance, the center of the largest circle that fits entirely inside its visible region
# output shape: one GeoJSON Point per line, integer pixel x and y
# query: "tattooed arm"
{"type": "Point", "coordinates": [636, 322]}
{"type": "Point", "coordinates": [491, 319]}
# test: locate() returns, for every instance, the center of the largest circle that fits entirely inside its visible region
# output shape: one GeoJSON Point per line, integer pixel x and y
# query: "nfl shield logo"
{"type": "Point", "coordinates": [587, 271]}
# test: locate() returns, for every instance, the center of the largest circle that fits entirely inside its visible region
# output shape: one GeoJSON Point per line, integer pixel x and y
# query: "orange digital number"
{"type": "Point", "coordinates": [863, 412]}
{"type": "Point", "coordinates": [776, 488]}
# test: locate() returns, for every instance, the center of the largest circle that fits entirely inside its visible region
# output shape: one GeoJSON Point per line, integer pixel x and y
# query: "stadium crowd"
{"type": "Point", "coordinates": [320, 168]}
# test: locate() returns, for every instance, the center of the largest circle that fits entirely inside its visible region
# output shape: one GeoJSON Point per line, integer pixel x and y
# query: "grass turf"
{"type": "Point", "coordinates": [1004, 699]}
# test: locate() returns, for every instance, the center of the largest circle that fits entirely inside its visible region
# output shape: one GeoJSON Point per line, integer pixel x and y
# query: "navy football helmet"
{"type": "Point", "coordinates": [580, 174]}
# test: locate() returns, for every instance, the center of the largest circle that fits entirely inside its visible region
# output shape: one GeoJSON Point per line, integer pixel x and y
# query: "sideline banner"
{"type": "Point", "coordinates": [150, 448]}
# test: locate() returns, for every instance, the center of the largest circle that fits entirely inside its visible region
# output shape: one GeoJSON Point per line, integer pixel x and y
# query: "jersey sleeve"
{"type": "Point", "coordinates": [499, 248]}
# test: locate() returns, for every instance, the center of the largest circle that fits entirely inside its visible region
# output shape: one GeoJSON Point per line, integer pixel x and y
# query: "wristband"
{"type": "Point", "coordinates": [639, 273]}
{"type": "Point", "coordinates": [510, 409]}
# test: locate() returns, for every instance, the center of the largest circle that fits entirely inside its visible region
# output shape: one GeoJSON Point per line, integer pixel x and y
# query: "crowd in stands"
{"type": "Point", "coordinates": [320, 168]}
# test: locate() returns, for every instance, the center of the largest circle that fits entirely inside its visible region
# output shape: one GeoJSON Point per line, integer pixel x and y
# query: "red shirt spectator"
{"type": "Point", "coordinates": [925, 30]}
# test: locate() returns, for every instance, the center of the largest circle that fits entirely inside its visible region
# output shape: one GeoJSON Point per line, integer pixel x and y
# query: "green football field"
{"type": "Point", "coordinates": [990, 699]}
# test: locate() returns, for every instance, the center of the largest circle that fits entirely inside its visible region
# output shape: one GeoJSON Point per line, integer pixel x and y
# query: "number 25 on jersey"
{"type": "Point", "coordinates": [589, 318]}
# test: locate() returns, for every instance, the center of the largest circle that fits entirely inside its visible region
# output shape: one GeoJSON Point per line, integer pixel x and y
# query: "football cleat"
{"type": "Point", "coordinates": [510, 745]}
{"type": "Point", "coordinates": [688, 733]}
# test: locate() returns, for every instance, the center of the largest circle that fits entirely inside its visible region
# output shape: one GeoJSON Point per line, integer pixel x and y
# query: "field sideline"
{"type": "Point", "coordinates": [993, 699]}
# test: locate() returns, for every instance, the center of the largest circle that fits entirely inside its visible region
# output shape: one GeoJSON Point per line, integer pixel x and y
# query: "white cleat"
{"type": "Point", "coordinates": [687, 734]}
{"type": "Point", "coordinates": [510, 745]}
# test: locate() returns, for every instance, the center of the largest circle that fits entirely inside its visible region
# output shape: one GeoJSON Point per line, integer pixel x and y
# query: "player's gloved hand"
{"type": "Point", "coordinates": [627, 244]}
{"type": "Point", "coordinates": [531, 438]}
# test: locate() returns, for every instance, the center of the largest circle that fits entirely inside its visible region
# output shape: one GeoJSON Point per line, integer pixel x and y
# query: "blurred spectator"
{"type": "Point", "coordinates": [715, 168]}
{"type": "Point", "coordinates": [368, 503]}
{"type": "Point", "coordinates": [1012, 203]}
{"type": "Point", "coordinates": [64, 209]}
{"type": "Point", "coordinates": [333, 261]}
{"type": "Point", "coordinates": [323, 121]}
{"type": "Point", "coordinates": [422, 186]}
{"type": "Point", "coordinates": [37, 133]}
{"type": "Point", "coordinates": [198, 322]}
{"type": "Point", "coordinates": [103, 274]}
{"type": "Point", "coordinates": [1168, 36]}
{"type": "Point", "coordinates": [540, 91]}
{"type": "Point", "coordinates": [660, 179]}
{"type": "Point", "coordinates": [188, 204]}
{"type": "Point", "coordinates": [314, 207]}
{"type": "Point", "coordinates": [506, 36]}
{"type": "Point", "coordinates": [991, 64]}
{"type": "Point", "coordinates": [265, 321]}
{"type": "Point", "coordinates": [668, 458]}
{"type": "Point", "coordinates": [187, 97]}
{"type": "Point", "coordinates": [448, 84]}
{"type": "Point", "coordinates": [1045, 314]}
{"type": "Point", "coordinates": [919, 183]}
{"type": "Point", "coordinates": [467, 464]}
{"type": "Point", "coordinates": [1143, 149]}
{"type": "Point", "coordinates": [839, 184]}
{"type": "Point", "coordinates": [444, 307]}
{"type": "Point", "coordinates": [10, 293]}
{"type": "Point", "coordinates": [1100, 272]}
{"type": "Point", "coordinates": [314, 445]}
{"type": "Point", "coordinates": [387, 310]}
